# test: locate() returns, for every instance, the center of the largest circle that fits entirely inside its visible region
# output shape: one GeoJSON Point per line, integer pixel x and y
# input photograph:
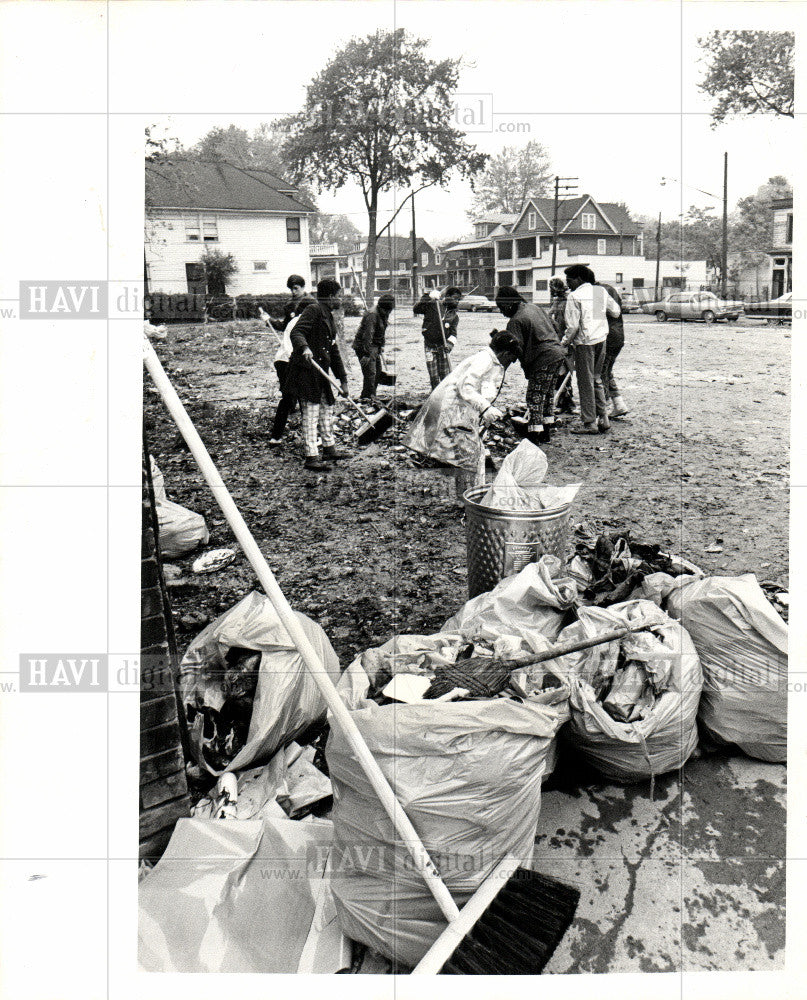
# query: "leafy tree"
{"type": "Point", "coordinates": [219, 268]}
{"type": "Point", "coordinates": [324, 228]}
{"type": "Point", "coordinates": [749, 72]}
{"type": "Point", "coordinates": [379, 115]}
{"type": "Point", "coordinates": [511, 177]}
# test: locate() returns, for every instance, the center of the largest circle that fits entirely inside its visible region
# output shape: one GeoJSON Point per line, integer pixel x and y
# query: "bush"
{"type": "Point", "coordinates": [182, 307]}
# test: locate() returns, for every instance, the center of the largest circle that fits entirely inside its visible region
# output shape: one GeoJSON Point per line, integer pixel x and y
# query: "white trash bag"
{"type": "Point", "coordinates": [633, 715]}
{"type": "Point", "coordinates": [180, 530]}
{"type": "Point", "coordinates": [519, 483]}
{"type": "Point", "coordinates": [245, 688]}
{"type": "Point", "coordinates": [742, 643]}
{"type": "Point", "coordinates": [532, 601]}
{"type": "Point", "coordinates": [468, 775]}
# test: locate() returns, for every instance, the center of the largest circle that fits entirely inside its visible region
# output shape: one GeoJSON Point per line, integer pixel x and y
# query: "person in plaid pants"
{"type": "Point", "coordinates": [314, 339]}
{"type": "Point", "coordinates": [541, 356]}
{"type": "Point", "coordinates": [439, 331]}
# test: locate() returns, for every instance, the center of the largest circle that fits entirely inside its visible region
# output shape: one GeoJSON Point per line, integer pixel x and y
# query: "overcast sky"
{"type": "Point", "coordinates": [609, 88]}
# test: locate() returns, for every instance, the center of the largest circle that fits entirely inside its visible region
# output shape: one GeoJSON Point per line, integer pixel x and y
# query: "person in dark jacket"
{"type": "Point", "coordinates": [557, 309]}
{"type": "Point", "coordinates": [369, 343]}
{"type": "Point", "coordinates": [314, 339]}
{"type": "Point", "coordinates": [614, 343]}
{"type": "Point", "coordinates": [541, 357]}
{"type": "Point", "coordinates": [439, 330]}
{"type": "Point", "coordinates": [288, 401]}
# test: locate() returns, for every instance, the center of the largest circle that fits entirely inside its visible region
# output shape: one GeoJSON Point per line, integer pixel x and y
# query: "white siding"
{"type": "Point", "coordinates": [248, 236]}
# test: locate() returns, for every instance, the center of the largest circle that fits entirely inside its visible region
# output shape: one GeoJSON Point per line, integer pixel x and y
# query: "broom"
{"type": "Point", "coordinates": [373, 427]}
{"type": "Point", "coordinates": [543, 908]}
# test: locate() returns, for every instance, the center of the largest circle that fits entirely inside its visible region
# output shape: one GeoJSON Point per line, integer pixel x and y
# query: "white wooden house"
{"type": "Point", "coordinates": [193, 207]}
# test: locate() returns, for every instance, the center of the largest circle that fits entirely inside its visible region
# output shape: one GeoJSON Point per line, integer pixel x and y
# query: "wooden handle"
{"type": "Point", "coordinates": [573, 647]}
{"type": "Point", "coordinates": [341, 715]}
{"type": "Point", "coordinates": [335, 384]}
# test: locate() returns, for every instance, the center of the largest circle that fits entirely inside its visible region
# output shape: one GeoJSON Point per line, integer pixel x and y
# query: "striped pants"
{"type": "Point", "coordinates": [317, 416]}
{"type": "Point", "coordinates": [437, 365]}
{"type": "Point", "coordinates": [541, 397]}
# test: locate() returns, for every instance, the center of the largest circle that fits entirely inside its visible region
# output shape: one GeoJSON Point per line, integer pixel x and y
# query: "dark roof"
{"type": "Point", "coordinates": [211, 184]}
{"type": "Point", "coordinates": [401, 245]}
{"type": "Point", "coordinates": [569, 207]}
{"type": "Point", "coordinates": [500, 218]}
{"type": "Point", "coordinates": [620, 218]}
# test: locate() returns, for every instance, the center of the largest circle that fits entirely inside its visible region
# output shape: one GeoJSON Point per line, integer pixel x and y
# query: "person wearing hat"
{"type": "Point", "coordinates": [439, 330]}
{"type": "Point", "coordinates": [369, 342]}
{"type": "Point", "coordinates": [541, 358]}
{"type": "Point", "coordinates": [587, 310]}
{"type": "Point", "coordinates": [314, 339]}
{"type": "Point", "coordinates": [288, 401]}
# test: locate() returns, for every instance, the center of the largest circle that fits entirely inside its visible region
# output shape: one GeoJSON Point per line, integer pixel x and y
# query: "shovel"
{"type": "Point", "coordinates": [373, 427]}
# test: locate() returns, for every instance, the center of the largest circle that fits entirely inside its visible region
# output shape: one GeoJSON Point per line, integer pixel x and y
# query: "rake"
{"type": "Point", "coordinates": [373, 427]}
{"type": "Point", "coordinates": [516, 918]}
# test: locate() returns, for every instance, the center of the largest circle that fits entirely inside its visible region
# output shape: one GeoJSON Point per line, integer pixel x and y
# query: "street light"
{"type": "Point", "coordinates": [725, 254]}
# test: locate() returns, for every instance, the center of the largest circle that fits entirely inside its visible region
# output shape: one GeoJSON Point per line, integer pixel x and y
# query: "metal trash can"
{"type": "Point", "coordinates": [501, 542]}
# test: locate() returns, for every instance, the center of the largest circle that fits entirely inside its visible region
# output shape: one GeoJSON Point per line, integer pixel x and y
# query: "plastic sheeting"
{"type": "Point", "coordinates": [286, 698]}
{"type": "Point", "coordinates": [742, 642]}
{"type": "Point", "coordinates": [468, 775]}
{"type": "Point", "coordinates": [665, 737]}
{"type": "Point", "coordinates": [533, 601]}
{"type": "Point", "coordinates": [241, 897]}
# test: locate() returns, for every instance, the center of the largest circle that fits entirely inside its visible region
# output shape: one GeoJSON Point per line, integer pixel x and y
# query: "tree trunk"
{"type": "Point", "coordinates": [372, 216]}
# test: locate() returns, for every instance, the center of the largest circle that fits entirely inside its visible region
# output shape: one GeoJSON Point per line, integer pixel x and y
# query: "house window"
{"type": "Point", "coordinates": [523, 278]}
{"type": "Point", "coordinates": [192, 232]}
{"type": "Point", "coordinates": [505, 277]}
{"type": "Point", "coordinates": [437, 257]}
{"type": "Point", "coordinates": [619, 278]}
{"type": "Point", "coordinates": [424, 259]}
{"type": "Point", "coordinates": [525, 248]}
{"type": "Point", "coordinates": [601, 247]}
{"type": "Point", "coordinates": [588, 220]}
{"type": "Point", "coordinates": [531, 220]}
{"type": "Point", "coordinates": [259, 265]}
{"type": "Point", "coordinates": [210, 230]}
{"type": "Point", "coordinates": [789, 236]}
{"type": "Point", "coordinates": [638, 282]}
{"type": "Point", "coordinates": [541, 285]}
{"type": "Point", "coordinates": [293, 230]}
{"type": "Point", "coordinates": [506, 250]}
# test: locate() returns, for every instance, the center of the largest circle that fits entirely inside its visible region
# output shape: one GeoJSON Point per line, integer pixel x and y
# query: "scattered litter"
{"type": "Point", "coordinates": [213, 561]}
{"type": "Point", "coordinates": [714, 548]}
{"type": "Point", "coordinates": [742, 642]}
{"type": "Point", "coordinates": [180, 530]}
{"type": "Point", "coordinates": [408, 688]}
{"type": "Point", "coordinates": [155, 332]}
{"type": "Point", "coordinates": [519, 483]}
{"type": "Point", "coordinates": [245, 689]}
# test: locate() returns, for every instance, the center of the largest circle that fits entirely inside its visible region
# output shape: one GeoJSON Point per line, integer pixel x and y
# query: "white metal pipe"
{"type": "Point", "coordinates": [337, 707]}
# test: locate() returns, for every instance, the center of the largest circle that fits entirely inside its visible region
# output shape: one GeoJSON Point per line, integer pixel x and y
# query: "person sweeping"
{"type": "Point", "coordinates": [541, 356]}
{"type": "Point", "coordinates": [298, 302]}
{"type": "Point", "coordinates": [369, 343]}
{"type": "Point", "coordinates": [440, 321]}
{"type": "Point", "coordinates": [314, 339]}
{"type": "Point", "coordinates": [447, 427]}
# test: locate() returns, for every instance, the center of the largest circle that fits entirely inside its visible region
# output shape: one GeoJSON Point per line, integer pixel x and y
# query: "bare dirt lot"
{"type": "Point", "coordinates": [699, 465]}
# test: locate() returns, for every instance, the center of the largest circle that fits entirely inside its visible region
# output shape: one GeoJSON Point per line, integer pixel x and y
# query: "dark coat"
{"type": "Point", "coordinates": [316, 330]}
{"type": "Point", "coordinates": [616, 328]}
{"type": "Point", "coordinates": [293, 308]}
{"type": "Point", "coordinates": [429, 309]}
{"type": "Point", "coordinates": [540, 347]}
{"type": "Point", "coordinates": [372, 334]}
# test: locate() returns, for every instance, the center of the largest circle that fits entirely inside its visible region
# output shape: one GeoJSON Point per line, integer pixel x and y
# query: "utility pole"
{"type": "Point", "coordinates": [414, 254]}
{"type": "Point", "coordinates": [724, 288]}
{"type": "Point", "coordinates": [657, 290]}
{"type": "Point", "coordinates": [565, 185]}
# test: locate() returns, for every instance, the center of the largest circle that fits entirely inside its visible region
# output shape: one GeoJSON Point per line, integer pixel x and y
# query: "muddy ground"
{"type": "Point", "coordinates": [700, 465]}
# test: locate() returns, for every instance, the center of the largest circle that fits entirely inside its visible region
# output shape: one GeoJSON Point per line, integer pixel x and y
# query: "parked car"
{"type": "Point", "coordinates": [705, 306]}
{"type": "Point", "coordinates": [630, 304]}
{"type": "Point", "coordinates": [779, 310]}
{"type": "Point", "coordinates": [477, 303]}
